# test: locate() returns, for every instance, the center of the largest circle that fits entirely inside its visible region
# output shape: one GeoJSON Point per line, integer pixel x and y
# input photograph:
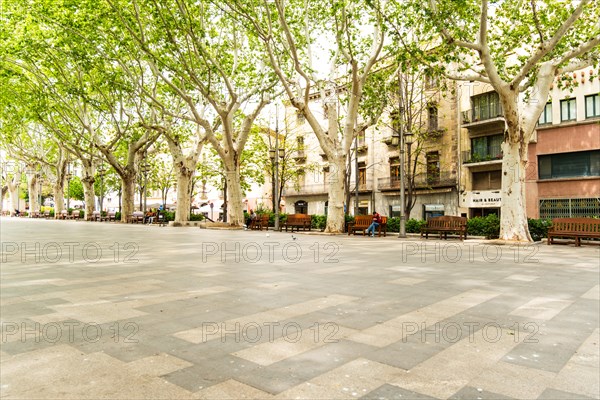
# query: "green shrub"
{"type": "Point", "coordinates": [81, 213]}
{"type": "Point", "coordinates": [118, 216]}
{"type": "Point", "coordinates": [538, 228]}
{"type": "Point", "coordinates": [488, 226]}
{"type": "Point", "coordinates": [318, 221]}
{"type": "Point", "coordinates": [196, 217]}
{"type": "Point", "coordinates": [414, 225]}
{"type": "Point", "coordinates": [393, 224]}
{"type": "Point", "coordinates": [169, 215]}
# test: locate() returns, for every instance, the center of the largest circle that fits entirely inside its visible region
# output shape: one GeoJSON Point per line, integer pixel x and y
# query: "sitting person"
{"type": "Point", "coordinates": [150, 217]}
{"type": "Point", "coordinates": [376, 222]}
{"type": "Point", "coordinates": [251, 217]}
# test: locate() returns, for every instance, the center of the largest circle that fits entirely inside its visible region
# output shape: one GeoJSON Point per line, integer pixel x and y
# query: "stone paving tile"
{"type": "Point", "coordinates": [468, 393]}
{"type": "Point", "coordinates": [558, 339]}
{"type": "Point", "coordinates": [553, 394]}
{"type": "Point", "coordinates": [173, 293]}
{"type": "Point", "coordinates": [391, 392]}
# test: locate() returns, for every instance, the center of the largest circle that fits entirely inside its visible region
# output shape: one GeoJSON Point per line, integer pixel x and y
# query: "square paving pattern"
{"type": "Point", "coordinates": [114, 311]}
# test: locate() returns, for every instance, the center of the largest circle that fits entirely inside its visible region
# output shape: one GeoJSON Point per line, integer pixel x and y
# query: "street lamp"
{"type": "Point", "coordinates": [101, 171]}
{"type": "Point", "coordinates": [275, 154]}
{"type": "Point", "coordinates": [68, 175]}
{"type": "Point", "coordinates": [275, 160]}
{"type": "Point", "coordinates": [41, 181]}
{"type": "Point", "coordinates": [145, 168]}
{"type": "Point", "coordinates": [401, 139]}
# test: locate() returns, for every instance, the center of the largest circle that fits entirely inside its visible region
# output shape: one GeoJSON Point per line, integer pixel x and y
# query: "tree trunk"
{"type": "Point", "coordinates": [184, 188]}
{"type": "Point", "coordinates": [14, 199]}
{"type": "Point", "coordinates": [89, 195]}
{"type": "Point", "coordinates": [235, 209]}
{"type": "Point", "coordinates": [59, 198]}
{"type": "Point", "coordinates": [128, 194]}
{"type": "Point", "coordinates": [513, 219]}
{"type": "Point", "coordinates": [33, 193]}
{"type": "Point", "coordinates": [4, 190]}
{"type": "Point", "coordinates": [13, 189]}
{"type": "Point", "coordinates": [335, 210]}
{"type": "Point", "coordinates": [87, 181]}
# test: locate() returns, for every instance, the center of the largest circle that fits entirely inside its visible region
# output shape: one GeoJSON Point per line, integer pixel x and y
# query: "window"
{"type": "Point", "coordinates": [433, 166]}
{"type": "Point", "coordinates": [592, 106]}
{"type": "Point", "coordinates": [546, 116]}
{"type": "Point", "coordinates": [300, 143]}
{"type": "Point", "coordinates": [300, 118]}
{"type": "Point", "coordinates": [394, 170]}
{"type": "Point", "coordinates": [431, 82]}
{"type": "Point", "coordinates": [486, 148]}
{"type": "Point", "coordinates": [570, 208]}
{"type": "Point", "coordinates": [486, 106]}
{"type": "Point", "coordinates": [488, 180]}
{"type": "Point", "coordinates": [362, 174]}
{"type": "Point", "coordinates": [568, 110]}
{"type": "Point", "coordinates": [360, 139]}
{"type": "Point", "coordinates": [569, 165]}
{"type": "Point", "coordinates": [432, 116]}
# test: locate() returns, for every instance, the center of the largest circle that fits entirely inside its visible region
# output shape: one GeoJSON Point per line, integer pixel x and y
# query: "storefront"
{"type": "Point", "coordinates": [481, 203]}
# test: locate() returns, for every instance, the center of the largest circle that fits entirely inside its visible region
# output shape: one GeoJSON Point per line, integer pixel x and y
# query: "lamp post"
{"type": "Point", "coordinates": [275, 154]}
{"type": "Point", "coordinates": [145, 167]}
{"type": "Point", "coordinates": [41, 181]}
{"type": "Point", "coordinates": [101, 171]}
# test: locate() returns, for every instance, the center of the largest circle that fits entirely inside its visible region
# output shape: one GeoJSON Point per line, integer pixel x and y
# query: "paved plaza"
{"type": "Point", "coordinates": [114, 311]}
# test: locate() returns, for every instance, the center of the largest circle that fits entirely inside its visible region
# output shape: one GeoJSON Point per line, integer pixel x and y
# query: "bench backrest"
{"type": "Point", "coordinates": [576, 225]}
{"type": "Point", "coordinates": [75, 213]}
{"type": "Point", "coordinates": [298, 219]}
{"type": "Point", "coordinates": [446, 221]}
{"type": "Point", "coordinates": [363, 220]}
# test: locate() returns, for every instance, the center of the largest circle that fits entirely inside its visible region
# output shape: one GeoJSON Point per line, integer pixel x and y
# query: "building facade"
{"type": "Point", "coordinates": [431, 120]}
{"type": "Point", "coordinates": [563, 169]}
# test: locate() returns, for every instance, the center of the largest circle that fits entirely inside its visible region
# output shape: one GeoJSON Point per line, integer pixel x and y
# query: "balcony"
{"type": "Point", "coordinates": [421, 181]}
{"type": "Point", "coordinates": [300, 156]}
{"type": "Point", "coordinates": [302, 190]}
{"type": "Point", "coordinates": [477, 123]}
{"type": "Point", "coordinates": [474, 159]}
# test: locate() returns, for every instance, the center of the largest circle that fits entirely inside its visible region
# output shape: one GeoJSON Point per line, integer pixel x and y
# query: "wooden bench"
{"type": "Point", "coordinates": [362, 222]}
{"type": "Point", "coordinates": [136, 217]}
{"type": "Point", "coordinates": [64, 214]}
{"type": "Point", "coordinates": [445, 225]}
{"type": "Point", "coordinates": [96, 216]}
{"type": "Point", "coordinates": [110, 216]}
{"type": "Point", "coordinates": [574, 228]}
{"type": "Point", "coordinates": [160, 219]}
{"type": "Point", "coordinates": [261, 221]}
{"type": "Point", "coordinates": [298, 221]}
{"type": "Point", "coordinates": [74, 215]}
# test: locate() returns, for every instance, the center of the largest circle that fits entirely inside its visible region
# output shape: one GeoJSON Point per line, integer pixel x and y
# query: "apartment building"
{"type": "Point", "coordinates": [431, 125]}
{"type": "Point", "coordinates": [563, 171]}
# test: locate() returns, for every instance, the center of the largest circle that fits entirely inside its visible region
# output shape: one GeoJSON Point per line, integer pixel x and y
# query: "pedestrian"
{"type": "Point", "coordinates": [376, 222]}
{"type": "Point", "coordinates": [251, 217]}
